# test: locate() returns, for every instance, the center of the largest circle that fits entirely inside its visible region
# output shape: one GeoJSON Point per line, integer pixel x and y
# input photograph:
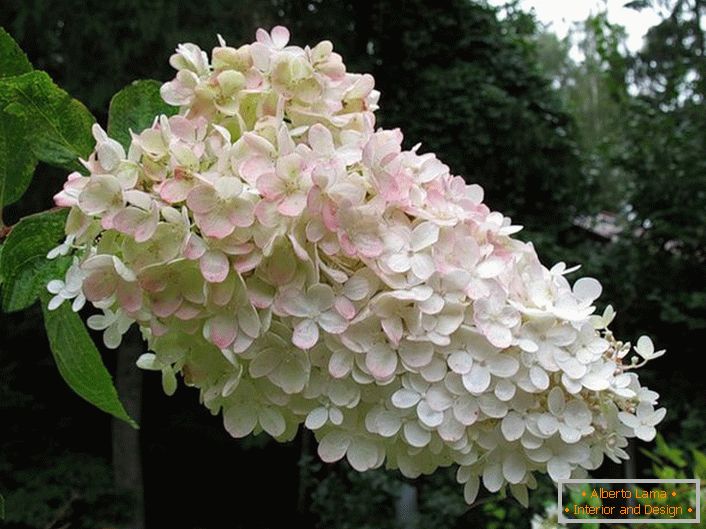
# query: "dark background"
{"type": "Point", "coordinates": [602, 160]}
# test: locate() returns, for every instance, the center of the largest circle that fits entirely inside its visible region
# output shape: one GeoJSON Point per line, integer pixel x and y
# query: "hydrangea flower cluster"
{"type": "Point", "coordinates": [298, 266]}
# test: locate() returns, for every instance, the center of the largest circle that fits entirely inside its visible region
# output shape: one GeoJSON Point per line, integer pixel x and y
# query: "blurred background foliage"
{"type": "Point", "coordinates": [601, 159]}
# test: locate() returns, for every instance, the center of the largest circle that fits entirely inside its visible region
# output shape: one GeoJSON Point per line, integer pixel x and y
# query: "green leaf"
{"type": "Point", "coordinates": [674, 455]}
{"type": "Point", "coordinates": [134, 108]}
{"type": "Point", "coordinates": [13, 61]}
{"type": "Point", "coordinates": [17, 163]}
{"type": "Point", "coordinates": [79, 361]}
{"type": "Point", "coordinates": [699, 464]}
{"type": "Point", "coordinates": [24, 266]}
{"type": "Point", "coordinates": [57, 127]}
{"type": "Point", "coordinates": [2, 507]}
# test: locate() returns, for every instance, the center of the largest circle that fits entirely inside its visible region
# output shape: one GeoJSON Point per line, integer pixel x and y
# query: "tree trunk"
{"type": "Point", "coordinates": [127, 456]}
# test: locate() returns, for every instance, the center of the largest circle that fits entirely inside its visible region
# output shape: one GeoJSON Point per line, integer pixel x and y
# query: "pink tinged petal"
{"type": "Point", "coordinates": [381, 361]}
{"type": "Point", "coordinates": [195, 247]}
{"type": "Point", "coordinates": [399, 262]}
{"type": "Point", "coordinates": [127, 220]}
{"type": "Point", "coordinates": [215, 223]}
{"type": "Point", "coordinates": [99, 285]}
{"type": "Point", "coordinates": [512, 426]}
{"type": "Point", "coordinates": [320, 139]}
{"type": "Point", "coordinates": [222, 330]}
{"type": "Point", "coordinates": [147, 227]}
{"type": "Point", "coordinates": [393, 328]}
{"type": "Point", "coordinates": [254, 167]}
{"type": "Point", "coordinates": [477, 379]}
{"type": "Point", "coordinates": [242, 213]}
{"type": "Point", "coordinates": [368, 245]}
{"type": "Point", "coordinates": [333, 446]}
{"type": "Point", "coordinates": [423, 266]}
{"type": "Point", "coordinates": [292, 205]}
{"type": "Point", "coordinates": [345, 307]}
{"type": "Point", "coordinates": [416, 354]}
{"type": "Point", "coordinates": [415, 435]}
{"type": "Point", "coordinates": [424, 235]}
{"type": "Point", "coordinates": [340, 363]}
{"type": "Point", "coordinates": [175, 190]}
{"type": "Point", "coordinates": [306, 334]}
{"type": "Point", "coordinates": [361, 88]}
{"type": "Point", "coordinates": [271, 421]}
{"type": "Point", "coordinates": [214, 266]}
{"type": "Point", "coordinates": [239, 420]}
{"type": "Point", "coordinates": [260, 293]}
{"type": "Point", "coordinates": [280, 36]}
{"type": "Point", "coordinates": [332, 322]}
{"type": "Point", "coordinates": [362, 454]}
{"type": "Point", "coordinates": [491, 267]}
{"type": "Point", "coordinates": [187, 312]}
{"type": "Point", "coordinates": [129, 296]}
{"type": "Point", "coordinates": [202, 199]}
{"type": "Point", "coordinates": [271, 185]}
{"type": "Point", "coordinates": [328, 215]}
{"type": "Point", "coordinates": [247, 263]}
{"type": "Point", "coordinates": [405, 398]}
{"type": "Point", "coordinates": [514, 468]}
{"type": "Point", "coordinates": [498, 335]}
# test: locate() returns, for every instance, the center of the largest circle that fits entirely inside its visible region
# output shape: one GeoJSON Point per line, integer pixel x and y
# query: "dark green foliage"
{"type": "Point", "coordinates": [13, 60]}
{"type": "Point", "coordinates": [57, 128]}
{"type": "Point", "coordinates": [79, 362]}
{"type": "Point", "coordinates": [24, 267]}
{"type": "Point", "coordinates": [134, 109]}
{"type": "Point", "coordinates": [498, 100]}
{"type": "Point", "coordinates": [50, 492]}
{"type": "Point", "coordinates": [469, 88]}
